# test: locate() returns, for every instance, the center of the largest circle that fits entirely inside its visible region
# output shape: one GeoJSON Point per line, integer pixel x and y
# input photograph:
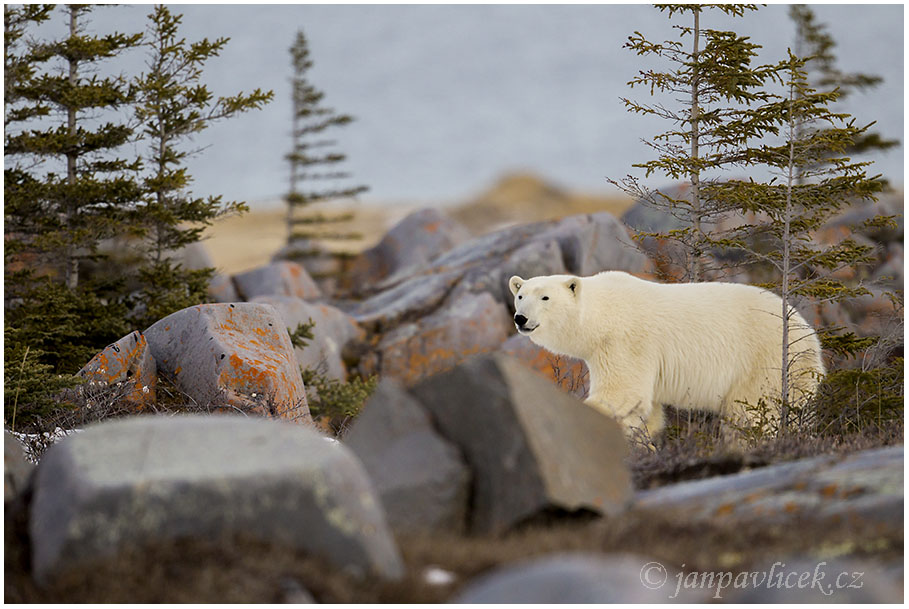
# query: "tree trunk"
{"type": "Point", "coordinates": [694, 267]}
{"type": "Point", "coordinates": [786, 264]}
{"type": "Point", "coordinates": [72, 261]}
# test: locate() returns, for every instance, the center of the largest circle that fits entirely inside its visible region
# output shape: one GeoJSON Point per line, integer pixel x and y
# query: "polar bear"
{"type": "Point", "coordinates": [708, 346]}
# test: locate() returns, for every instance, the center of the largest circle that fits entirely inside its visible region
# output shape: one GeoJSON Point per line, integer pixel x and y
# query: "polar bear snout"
{"type": "Point", "coordinates": [520, 323]}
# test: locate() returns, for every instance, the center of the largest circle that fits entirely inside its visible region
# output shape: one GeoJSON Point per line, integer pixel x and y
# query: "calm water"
{"type": "Point", "coordinates": [449, 97]}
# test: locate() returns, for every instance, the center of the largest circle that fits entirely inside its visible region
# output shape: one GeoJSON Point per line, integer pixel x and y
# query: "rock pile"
{"type": "Point", "coordinates": [487, 446]}
{"type": "Point", "coordinates": [434, 311]}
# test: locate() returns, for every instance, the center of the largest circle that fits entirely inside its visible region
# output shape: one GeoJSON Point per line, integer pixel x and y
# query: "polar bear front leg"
{"type": "Point", "coordinates": [634, 411]}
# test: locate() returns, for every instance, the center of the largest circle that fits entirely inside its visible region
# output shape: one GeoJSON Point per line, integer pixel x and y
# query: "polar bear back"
{"type": "Point", "coordinates": [700, 344]}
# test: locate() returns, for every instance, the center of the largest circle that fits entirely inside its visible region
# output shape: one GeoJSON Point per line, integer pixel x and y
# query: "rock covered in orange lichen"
{"type": "Point", "coordinates": [568, 373]}
{"type": "Point", "coordinates": [232, 355]}
{"type": "Point", "coordinates": [129, 364]}
{"type": "Point", "coordinates": [333, 330]}
{"type": "Point", "coordinates": [471, 324]}
{"type": "Point", "coordinates": [282, 278]}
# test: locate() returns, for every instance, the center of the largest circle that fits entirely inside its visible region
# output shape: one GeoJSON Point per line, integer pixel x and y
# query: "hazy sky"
{"type": "Point", "coordinates": [447, 98]}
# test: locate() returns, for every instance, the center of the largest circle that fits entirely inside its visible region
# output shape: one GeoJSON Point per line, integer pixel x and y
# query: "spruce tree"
{"type": "Point", "coordinates": [22, 198]}
{"type": "Point", "coordinates": [313, 158]}
{"type": "Point", "coordinates": [813, 180]}
{"type": "Point", "coordinates": [21, 59]}
{"type": "Point", "coordinates": [66, 189]}
{"type": "Point", "coordinates": [816, 46]}
{"type": "Point", "coordinates": [173, 104]}
{"type": "Point", "coordinates": [708, 97]}
{"type": "Point", "coordinates": [88, 190]}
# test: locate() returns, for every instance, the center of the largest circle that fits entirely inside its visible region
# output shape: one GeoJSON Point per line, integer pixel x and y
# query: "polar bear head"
{"type": "Point", "coordinates": [547, 310]}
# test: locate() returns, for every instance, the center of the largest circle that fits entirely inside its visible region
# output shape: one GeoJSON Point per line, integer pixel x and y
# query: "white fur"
{"type": "Point", "coordinates": [709, 346]}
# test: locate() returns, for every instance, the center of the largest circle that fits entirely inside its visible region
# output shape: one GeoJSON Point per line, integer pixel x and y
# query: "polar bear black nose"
{"type": "Point", "coordinates": [520, 320]}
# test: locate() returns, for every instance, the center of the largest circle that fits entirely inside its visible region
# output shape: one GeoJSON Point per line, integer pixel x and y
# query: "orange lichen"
{"type": "Point", "coordinates": [120, 363]}
{"type": "Point", "coordinates": [830, 490]}
{"type": "Point", "coordinates": [725, 509]}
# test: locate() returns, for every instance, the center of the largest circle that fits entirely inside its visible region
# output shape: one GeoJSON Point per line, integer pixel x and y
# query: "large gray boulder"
{"type": "Point", "coordinates": [419, 311]}
{"type": "Point", "coordinates": [539, 257]}
{"type": "Point", "coordinates": [130, 482]}
{"type": "Point", "coordinates": [193, 256]}
{"type": "Point", "coordinates": [231, 355]}
{"type": "Point", "coordinates": [421, 478]}
{"type": "Point", "coordinates": [333, 330]}
{"type": "Point", "coordinates": [867, 485]}
{"type": "Point", "coordinates": [484, 249]}
{"type": "Point", "coordinates": [282, 278]}
{"type": "Point", "coordinates": [16, 468]}
{"type": "Point", "coordinates": [578, 578]}
{"type": "Point", "coordinates": [531, 447]}
{"type": "Point", "coordinates": [597, 242]}
{"type": "Point", "coordinates": [221, 288]}
{"type": "Point", "coordinates": [411, 243]}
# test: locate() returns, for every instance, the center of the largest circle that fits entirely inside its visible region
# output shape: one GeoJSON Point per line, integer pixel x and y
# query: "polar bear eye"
{"type": "Point", "coordinates": [520, 297]}
{"type": "Point", "coordinates": [545, 297]}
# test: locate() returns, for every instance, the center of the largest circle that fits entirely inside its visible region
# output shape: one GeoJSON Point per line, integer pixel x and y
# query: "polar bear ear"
{"type": "Point", "coordinates": [574, 285]}
{"type": "Point", "coordinates": [515, 284]}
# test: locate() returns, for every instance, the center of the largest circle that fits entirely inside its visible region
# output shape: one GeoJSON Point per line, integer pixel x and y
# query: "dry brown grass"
{"type": "Point", "coordinates": [694, 450]}
{"type": "Point", "coordinates": [522, 198]}
{"type": "Point", "coordinates": [241, 243]}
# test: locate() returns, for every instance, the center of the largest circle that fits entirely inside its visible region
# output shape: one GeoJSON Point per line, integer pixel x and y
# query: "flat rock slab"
{"type": "Point", "coordinates": [867, 485]}
{"type": "Point", "coordinates": [129, 360]}
{"type": "Point", "coordinates": [488, 247]}
{"type": "Point", "coordinates": [592, 243]}
{"type": "Point", "coordinates": [282, 278]}
{"type": "Point", "coordinates": [575, 578]}
{"type": "Point", "coordinates": [411, 299]}
{"type": "Point", "coordinates": [133, 481]}
{"type": "Point", "coordinates": [333, 330]}
{"type": "Point", "coordinates": [420, 477]}
{"type": "Point", "coordinates": [234, 355]}
{"type": "Point", "coordinates": [531, 447]}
